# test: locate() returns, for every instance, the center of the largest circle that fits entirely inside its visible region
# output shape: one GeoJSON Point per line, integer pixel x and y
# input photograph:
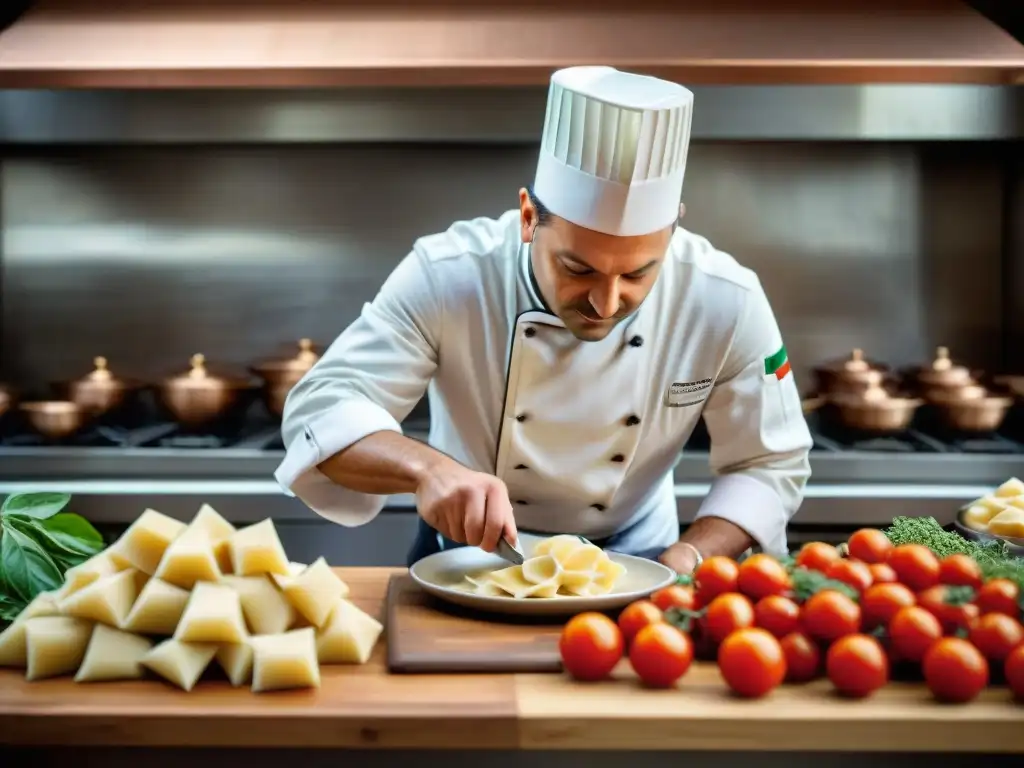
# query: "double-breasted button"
{"type": "Point", "coordinates": [599, 507]}
{"type": "Point", "coordinates": [632, 420]}
{"type": "Point", "coordinates": [521, 466]}
{"type": "Point", "coordinates": [636, 341]}
{"type": "Point", "coordinates": [521, 417]}
{"type": "Point", "coordinates": [618, 458]}
{"type": "Point", "coordinates": [530, 332]}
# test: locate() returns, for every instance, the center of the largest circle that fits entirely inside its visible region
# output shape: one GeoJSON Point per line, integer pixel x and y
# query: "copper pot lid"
{"type": "Point", "coordinates": [944, 372]}
{"type": "Point", "coordinates": [875, 395]}
{"type": "Point", "coordinates": [306, 357]}
{"type": "Point", "coordinates": [198, 376]}
{"type": "Point", "coordinates": [856, 366]}
{"type": "Point", "coordinates": [101, 377]}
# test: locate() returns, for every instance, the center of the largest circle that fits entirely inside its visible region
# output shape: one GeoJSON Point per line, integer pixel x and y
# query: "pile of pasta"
{"type": "Point", "coordinates": [171, 597]}
{"type": "Point", "coordinates": [1000, 513]}
{"type": "Point", "coordinates": [561, 566]}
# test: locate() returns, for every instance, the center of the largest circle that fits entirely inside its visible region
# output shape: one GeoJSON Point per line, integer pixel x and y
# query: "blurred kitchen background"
{"type": "Point", "coordinates": [149, 226]}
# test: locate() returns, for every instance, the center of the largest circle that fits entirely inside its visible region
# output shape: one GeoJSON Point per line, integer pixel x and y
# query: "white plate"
{"type": "Point", "coordinates": [439, 574]}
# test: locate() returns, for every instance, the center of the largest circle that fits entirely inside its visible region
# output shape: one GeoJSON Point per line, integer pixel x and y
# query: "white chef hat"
{"type": "Point", "coordinates": [613, 152]}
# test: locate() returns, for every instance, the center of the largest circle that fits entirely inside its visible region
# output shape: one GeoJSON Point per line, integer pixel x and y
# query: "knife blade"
{"type": "Point", "coordinates": [509, 552]}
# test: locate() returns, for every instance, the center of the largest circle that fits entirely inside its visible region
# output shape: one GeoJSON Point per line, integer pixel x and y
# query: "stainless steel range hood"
{"type": "Point", "coordinates": [317, 43]}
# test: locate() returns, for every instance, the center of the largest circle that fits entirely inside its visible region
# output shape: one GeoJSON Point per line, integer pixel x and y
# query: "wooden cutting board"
{"type": "Point", "coordinates": [428, 635]}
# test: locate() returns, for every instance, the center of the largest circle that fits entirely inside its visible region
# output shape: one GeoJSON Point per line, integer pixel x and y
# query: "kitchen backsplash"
{"type": "Point", "coordinates": [147, 255]}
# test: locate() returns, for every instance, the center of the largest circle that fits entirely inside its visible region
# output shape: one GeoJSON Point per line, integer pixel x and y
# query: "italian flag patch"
{"type": "Point", "coordinates": [777, 365]}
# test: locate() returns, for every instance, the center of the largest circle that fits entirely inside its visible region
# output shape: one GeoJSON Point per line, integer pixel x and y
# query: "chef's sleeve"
{"type": "Point", "coordinates": [759, 436]}
{"type": "Point", "coordinates": [367, 381]}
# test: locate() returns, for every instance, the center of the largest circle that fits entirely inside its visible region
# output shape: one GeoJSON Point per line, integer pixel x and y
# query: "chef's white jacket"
{"type": "Point", "coordinates": [584, 434]}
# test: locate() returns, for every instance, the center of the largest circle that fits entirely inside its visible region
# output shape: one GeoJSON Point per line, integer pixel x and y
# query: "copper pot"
{"type": "Point", "coordinates": [55, 419]}
{"type": "Point", "coordinates": [279, 376]}
{"type": "Point", "coordinates": [875, 409]}
{"type": "Point", "coordinates": [852, 374]}
{"type": "Point", "coordinates": [100, 391]}
{"type": "Point", "coordinates": [1012, 384]}
{"type": "Point", "coordinates": [198, 398]}
{"type": "Point", "coordinates": [7, 399]}
{"type": "Point", "coordinates": [971, 408]}
{"type": "Point", "coordinates": [942, 373]}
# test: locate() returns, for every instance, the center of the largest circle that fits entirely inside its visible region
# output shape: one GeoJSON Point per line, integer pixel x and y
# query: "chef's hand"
{"type": "Point", "coordinates": [680, 557]}
{"type": "Point", "coordinates": [467, 507]}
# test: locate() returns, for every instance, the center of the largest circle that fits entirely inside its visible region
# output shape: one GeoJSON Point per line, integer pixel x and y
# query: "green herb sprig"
{"type": "Point", "coordinates": [38, 543]}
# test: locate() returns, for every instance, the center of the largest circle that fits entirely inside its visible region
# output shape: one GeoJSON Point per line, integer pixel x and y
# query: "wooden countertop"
{"type": "Point", "coordinates": [323, 43]}
{"type": "Point", "coordinates": [364, 707]}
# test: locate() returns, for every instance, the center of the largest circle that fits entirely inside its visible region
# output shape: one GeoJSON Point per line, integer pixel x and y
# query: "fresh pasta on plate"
{"type": "Point", "coordinates": [560, 566]}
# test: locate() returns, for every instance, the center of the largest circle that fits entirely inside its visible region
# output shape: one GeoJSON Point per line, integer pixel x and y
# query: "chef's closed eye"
{"type": "Point", "coordinates": [579, 269]}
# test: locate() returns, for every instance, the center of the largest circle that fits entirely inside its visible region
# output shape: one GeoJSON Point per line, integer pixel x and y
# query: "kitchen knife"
{"type": "Point", "coordinates": [509, 552]}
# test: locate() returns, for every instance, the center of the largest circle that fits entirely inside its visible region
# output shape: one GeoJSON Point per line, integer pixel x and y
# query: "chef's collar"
{"type": "Point", "coordinates": [638, 325]}
{"type": "Point", "coordinates": [530, 281]}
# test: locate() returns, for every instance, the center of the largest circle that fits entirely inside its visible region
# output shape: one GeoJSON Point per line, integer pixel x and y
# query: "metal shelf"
{"type": "Point", "coordinates": [228, 464]}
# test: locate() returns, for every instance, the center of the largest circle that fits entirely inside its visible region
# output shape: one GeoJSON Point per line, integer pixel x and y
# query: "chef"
{"type": "Point", "coordinates": [568, 349]}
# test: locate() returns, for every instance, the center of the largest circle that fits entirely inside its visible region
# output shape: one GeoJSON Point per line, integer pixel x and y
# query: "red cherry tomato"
{"type": "Point", "coordinates": [829, 615]}
{"type": "Point", "coordinates": [590, 645]}
{"type": "Point", "coordinates": [716, 576]}
{"type": "Point", "coordinates": [995, 635]}
{"type": "Point", "coordinates": [660, 655]}
{"type": "Point", "coordinates": [816, 556]}
{"type": "Point", "coordinates": [912, 631]}
{"type": "Point", "coordinates": [882, 601]}
{"type": "Point", "coordinates": [952, 615]}
{"type": "Point", "coordinates": [869, 545]}
{"type": "Point", "coordinates": [960, 571]}
{"type": "Point", "coordinates": [779, 615]}
{"type": "Point", "coordinates": [762, 575]}
{"type": "Point", "coordinates": [955, 670]}
{"type": "Point", "coordinates": [857, 665]}
{"type": "Point", "coordinates": [852, 572]}
{"type": "Point", "coordinates": [752, 662]}
{"type": "Point", "coordinates": [636, 616]}
{"type": "Point", "coordinates": [803, 659]}
{"type": "Point", "coordinates": [915, 565]}
{"type": "Point", "coordinates": [999, 596]}
{"type": "Point", "coordinates": [1013, 670]}
{"type": "Point", "coordinates": [726, 614]}
{"type": "Point", "coordinates": [676, 596]}
{"type": "Point", "coordinates": [882, 573]}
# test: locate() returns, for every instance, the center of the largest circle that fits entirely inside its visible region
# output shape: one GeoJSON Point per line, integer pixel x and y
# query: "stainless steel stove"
{"type": "Point", "coordinates": [116, 472]}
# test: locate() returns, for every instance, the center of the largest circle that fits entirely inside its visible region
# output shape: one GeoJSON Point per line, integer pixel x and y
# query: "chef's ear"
{"type": "Point", "coordinates": [529, 217]}
{"type": "Point", "coordinates": [682, 210]}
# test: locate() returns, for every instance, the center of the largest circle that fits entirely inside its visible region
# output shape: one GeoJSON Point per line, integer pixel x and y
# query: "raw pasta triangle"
{"type": "Point", "coordinates": [559, 566]}
{"type": "Point", "coordinates": [1009, 522]}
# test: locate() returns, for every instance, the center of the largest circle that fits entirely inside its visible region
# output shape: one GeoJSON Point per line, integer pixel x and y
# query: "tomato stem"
{"type": "Point", "coordinates": [683, 619]}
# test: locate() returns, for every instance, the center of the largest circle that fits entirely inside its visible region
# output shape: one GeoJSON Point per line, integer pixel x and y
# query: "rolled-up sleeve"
{"type": "Point", "coordinates": [367, 381]}
{"type": "Point", "coordinates": [759, 436]}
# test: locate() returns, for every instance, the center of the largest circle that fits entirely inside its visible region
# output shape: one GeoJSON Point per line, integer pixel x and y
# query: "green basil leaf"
{"type": "Point", "coordinates": [34, 505]}
{"type": "Point", "coordinates": [10, 608]}
{"type": "Point", "coordinates": [72, 533]}
{"type": "Point", "coordinates": [28, 570]}
{"type": "Point", "coordinates": [63, 556]}
{"type": "Point", "coordinates": [64, 560]}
